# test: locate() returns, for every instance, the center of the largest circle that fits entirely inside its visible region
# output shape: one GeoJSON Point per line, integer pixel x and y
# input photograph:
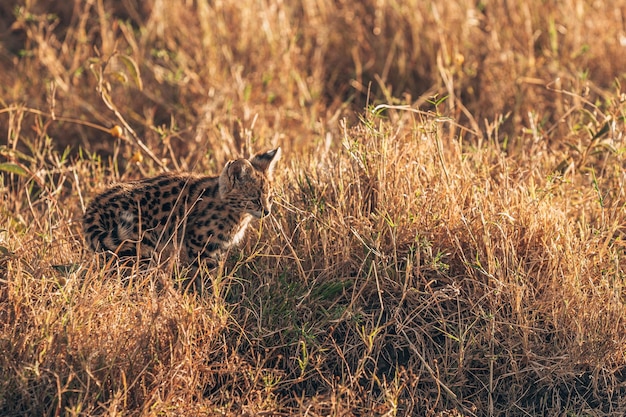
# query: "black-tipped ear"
{"type": "Point", "coordinates": [266, 161]}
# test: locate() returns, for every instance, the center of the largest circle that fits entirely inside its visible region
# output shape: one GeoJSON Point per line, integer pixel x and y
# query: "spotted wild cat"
{"type": "Point", "coordinates": [195, 217]}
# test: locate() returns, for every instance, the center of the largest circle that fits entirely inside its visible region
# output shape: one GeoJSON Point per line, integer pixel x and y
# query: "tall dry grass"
{"type": "Point", "coordinates": [448, 235]}
{"type": "Point", "coordinates": [212, 71]}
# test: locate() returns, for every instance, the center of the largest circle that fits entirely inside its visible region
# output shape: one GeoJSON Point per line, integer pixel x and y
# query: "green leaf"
{"type": "Point", "coordinates": [14, 154]}
{"type": "Point", "coordinates": [133, 69]}
{"type": "Point", "coordinates": [13, 168]}
{"type": "Point", "coordinates": [120, 77]}
{"type": "Point", "coordinates": [66, 269]}
{"type": "Point", "coordinates": [602, 131]}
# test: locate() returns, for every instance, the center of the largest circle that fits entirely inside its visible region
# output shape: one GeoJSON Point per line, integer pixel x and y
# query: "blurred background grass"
{"type": "Point", "coordinates": [209, 71]}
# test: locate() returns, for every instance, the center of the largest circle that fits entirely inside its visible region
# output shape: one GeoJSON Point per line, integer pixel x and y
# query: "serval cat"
{"type": "Point", "coordinates": [191, 216]}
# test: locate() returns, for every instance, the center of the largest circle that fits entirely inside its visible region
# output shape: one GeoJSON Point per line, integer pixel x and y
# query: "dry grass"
{"type": "Point", "coordinates": [449, 229]}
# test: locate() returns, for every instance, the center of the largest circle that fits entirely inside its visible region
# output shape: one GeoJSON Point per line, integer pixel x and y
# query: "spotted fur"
{"type": "Point", "coordinates": [192, 216]}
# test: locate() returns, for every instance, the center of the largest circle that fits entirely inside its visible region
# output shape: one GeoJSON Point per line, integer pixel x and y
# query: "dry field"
{"type": "Point", "coordinates": [449, 231]}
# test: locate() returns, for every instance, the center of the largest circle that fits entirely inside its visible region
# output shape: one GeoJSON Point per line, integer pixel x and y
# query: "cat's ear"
{"type": "Point", "coordinates": [237, 170]}
{"type": "Point", "coordinates": [234, 172]}
{"type": "Point", "coordinates": [266, 161]}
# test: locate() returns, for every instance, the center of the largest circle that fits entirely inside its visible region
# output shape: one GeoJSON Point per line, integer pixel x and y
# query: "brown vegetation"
{"type": "Point", "coordinates": [448, 234]}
